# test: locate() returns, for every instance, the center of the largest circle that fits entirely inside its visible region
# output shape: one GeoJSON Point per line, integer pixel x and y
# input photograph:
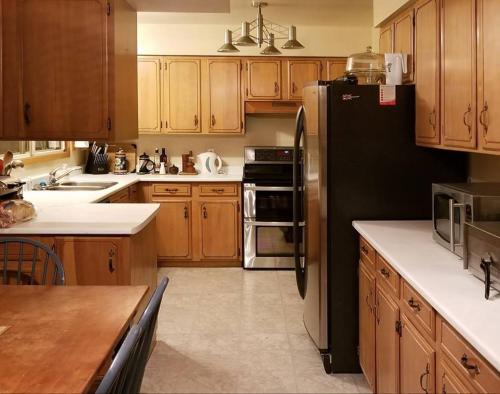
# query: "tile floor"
{"type": "Point", "coordinates": [227, 330]}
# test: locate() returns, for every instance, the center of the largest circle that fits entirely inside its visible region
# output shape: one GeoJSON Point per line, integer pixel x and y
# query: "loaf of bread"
{"type": "Point", "coordinates": [20, 210]}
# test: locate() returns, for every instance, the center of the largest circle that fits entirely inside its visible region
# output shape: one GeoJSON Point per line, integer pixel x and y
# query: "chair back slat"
{"type": "Point", "coordinates": [26, 261]}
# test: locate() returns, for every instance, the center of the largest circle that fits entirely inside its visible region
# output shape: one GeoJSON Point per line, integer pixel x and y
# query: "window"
{"type": "Point", "coordinates": [32, 151]}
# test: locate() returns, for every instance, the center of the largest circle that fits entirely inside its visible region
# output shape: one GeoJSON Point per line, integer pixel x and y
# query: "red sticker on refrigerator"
{"type": "Point", "coordinates": [387, 95]}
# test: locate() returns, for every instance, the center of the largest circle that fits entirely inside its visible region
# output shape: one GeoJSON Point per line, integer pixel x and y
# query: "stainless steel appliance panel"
{"type": "Point", "coordinates": [315, 197]}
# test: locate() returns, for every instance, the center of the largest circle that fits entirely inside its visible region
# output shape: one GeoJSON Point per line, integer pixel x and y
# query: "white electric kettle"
{"type": "Point", "coordinates": [395, 67]}
{"type": "Point", "coordinates": [207, 162]}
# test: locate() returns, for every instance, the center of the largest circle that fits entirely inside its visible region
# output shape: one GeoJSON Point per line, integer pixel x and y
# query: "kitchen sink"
{"type": "Point", "coordinates": [81, 186]}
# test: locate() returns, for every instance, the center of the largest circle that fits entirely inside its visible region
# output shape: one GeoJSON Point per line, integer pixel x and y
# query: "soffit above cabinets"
{"type": "Point", "coordinates": [190, 6]}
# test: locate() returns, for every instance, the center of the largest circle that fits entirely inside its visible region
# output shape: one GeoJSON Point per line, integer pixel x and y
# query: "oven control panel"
{"type": "Point", "coordinates": [269, 155]}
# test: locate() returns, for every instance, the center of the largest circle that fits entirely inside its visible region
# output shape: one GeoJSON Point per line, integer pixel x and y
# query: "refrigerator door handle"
{"type": "Point", "coordinates": [299, 269]}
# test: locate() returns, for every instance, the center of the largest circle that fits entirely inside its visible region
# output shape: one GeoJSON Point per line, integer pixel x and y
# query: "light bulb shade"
{"type": "Point", "coordinates": [245, 39]}
{"type": "Point", "coordinates": [292, 42]}
{"type": "Point", "coordinates": [228, 43]}
{"type": "Point", "coordinates": [270, 49]}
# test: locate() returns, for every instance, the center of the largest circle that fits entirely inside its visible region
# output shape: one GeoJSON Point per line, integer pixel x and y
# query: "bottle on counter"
{"type": "Point", "coordinates": [156, 160]}
{"type": "Point", "coordinates": [164, 157]}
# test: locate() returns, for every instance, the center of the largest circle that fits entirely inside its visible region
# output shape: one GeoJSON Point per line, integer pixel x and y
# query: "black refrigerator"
{"type": "Point", "coordinates": [359, 161]}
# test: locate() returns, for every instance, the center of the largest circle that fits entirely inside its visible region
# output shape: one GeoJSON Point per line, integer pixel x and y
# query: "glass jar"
{"type": "Point", "coordinates": [368, 67]}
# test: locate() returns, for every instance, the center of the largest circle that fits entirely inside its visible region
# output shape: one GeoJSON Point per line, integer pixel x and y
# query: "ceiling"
{"type": "Point", "coordinates": [228, 12]}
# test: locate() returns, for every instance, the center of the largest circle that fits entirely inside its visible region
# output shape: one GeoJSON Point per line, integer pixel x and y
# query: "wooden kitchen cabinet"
{"type": "Point", "coordinates": [427, 35]}
{"type": "Point", "coordinates": [335, 68]}
{"type": "Point", "coordinates": [417, 360]}
{"type": "Point", "coordinates": [386, 39]}
{"type": "Point", "coordinates": [222, 96]}
{"type": "Point", "coordinates": [488, 74]}
{"type": "Point", "coordinates": [458, 73]}
{"type": "Point", "coordinates": [447, 382]}
{"type": "Point", "coordinates": [299, 73]}
{"type": "Point", "coordinates": [367, 322]}
{"type": "Point", "coordinates": [403, 40]}
{"type": "Point", "coordinates": [181, 95]}
{"type": "Point", "coordinates": [263, 79]}
{"type": "Point", "coordinates": [173, 230]}
{"type": "Point", "coordinates": [149, 93]}
{"type": "Point", "coordinates": [387, 343]}
{"type": "Point", "coordinates": [219, 230]}
{"type": "Point", "coordinates": [71, 68]}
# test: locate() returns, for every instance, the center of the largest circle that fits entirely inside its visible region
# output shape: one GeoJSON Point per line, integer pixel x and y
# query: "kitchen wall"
{"type": "Point", "coordinates": [268, 131]}
{"type": "Point", "coordinates": [76, 158]}
{"type": "Point", "coordinates": [484, 168]}
{"type": "Point", "coordinates": [384, 8]}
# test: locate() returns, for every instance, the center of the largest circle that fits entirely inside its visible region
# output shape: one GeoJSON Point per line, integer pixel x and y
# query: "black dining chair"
{"type": "Point", "coordinates": [127, 369]}
{"type": "Point", "coordinates": [119, 375]}
{"type": "Point", "coordinates": [29, 262]}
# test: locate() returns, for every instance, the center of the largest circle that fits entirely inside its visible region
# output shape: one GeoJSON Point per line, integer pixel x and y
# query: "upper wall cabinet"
{"type": "Point", "coordinates": [69, 69]}
{"type": "Point", "coordinates": [181, 100]}
{"type": "Point", "coordinates": [458, 73]}
{"type": "Point", "coordinates": [222, 98]}
{"type": "Point", "coordinates": [488, 75]}
{"type": "Point", "coordinates": [263, 79]}
{"type": "Point", "coordinates": [427, 128]}
{"type": "Point", "coordinates": [386, 38]}
{"type": "Point", "coordinates": [149, 74]}
{"type": "Point", "coordinates": [301, 72]}
{"type": "Point", "coordinates": [335, 68]}
{"type": "Point", "coordinates": [403, 40]}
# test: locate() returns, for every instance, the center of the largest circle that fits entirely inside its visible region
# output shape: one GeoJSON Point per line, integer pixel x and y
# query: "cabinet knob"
{"type": "Point", "coordinates": [414, 304]}
{"type": "Point", "coordinates": [465, 118]}
{"type": "Point", "coordinates": [111, 255]}
{"type": "Point", "coordinates": [213, 120]}
{"type": "Point", "coordinates": [27, 113]}
{"type": "Point", "coordinates": [385, 272]}
{"type": "Point", "coordinates": [205, 214]}
{"type": "Point", "coordinates": [196, 120]}
{"type": "Point", "coordinates": [472, 368]}
{"type": "Point", "coordinates": [186, 212]}
{"type": "Point", "coordinates": [483, 118]}
{"type": "Point", "coordinates": [276, 87]}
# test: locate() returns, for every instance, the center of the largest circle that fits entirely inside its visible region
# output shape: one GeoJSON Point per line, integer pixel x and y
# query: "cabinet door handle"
{"type": "Point", "coordinates": [111, 254]}
{"type": "Point", "coordinates": [218, 190]}
{"type": "Point", "coordinates": [472, 368]}
{"type": "Point", "coordinates": [294, 87]}
{"type": "Point", "coordinates": [425, 374]}
{"type": "Point", "coordinates": [171, 190]}
{"type": "Point", "coordinates": [276, 87]}
{"type": "Point", "coordinates": [213, 120]}
{"type": "Point", "coordinates": [385, 273]}
{"type": "Point", "coordinates": [27, 113]}
{"type": "Point", "coordinates": [414, 304]}
{"type": "Point", "coordinates": [196, 120]}
{"type": "Point", "coordinates": [432, 119]}
{"type": "Point", "coordinates": [364, 249]}
{"type": "Point", "coordinates": [467, 124]}
{"type": "Point", "coordinates": [186, 212]}
{"type": "Point", "coordinates": [483, 118]}
{"type": "Point", "coordinates": [205, 214]}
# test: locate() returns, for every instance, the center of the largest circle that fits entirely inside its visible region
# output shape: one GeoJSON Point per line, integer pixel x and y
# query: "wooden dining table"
{"type": "Point", "coordinates": [55, 339]}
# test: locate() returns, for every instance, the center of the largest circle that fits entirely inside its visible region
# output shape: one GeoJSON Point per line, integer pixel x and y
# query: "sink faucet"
{"type": "Point", "coordinates": [54, 178]}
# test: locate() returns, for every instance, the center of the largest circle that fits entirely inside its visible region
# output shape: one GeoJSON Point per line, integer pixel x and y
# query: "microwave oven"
{"type": "Point", "coordinates": [454, 204]}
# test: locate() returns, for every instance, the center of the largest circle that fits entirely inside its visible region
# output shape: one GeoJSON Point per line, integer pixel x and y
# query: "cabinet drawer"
{"type": "Point", "coordinates": [172, 189]}
{"type": "Point", "coordinates": [119, 197]}
{"type": "Point", "coordinates": [386, 274]}
{"type": "Point", "coordinates": [367, 251]}
{"type": "Point", "coordinates": [418, 310]}
{"type": "Point", "coordinates": [225, 189]}
{"type": "Point", "coordinates": [468, 361]}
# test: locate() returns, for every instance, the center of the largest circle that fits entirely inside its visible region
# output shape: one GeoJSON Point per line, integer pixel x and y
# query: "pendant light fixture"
{"type": "Point", "coordinates": [261, 31]}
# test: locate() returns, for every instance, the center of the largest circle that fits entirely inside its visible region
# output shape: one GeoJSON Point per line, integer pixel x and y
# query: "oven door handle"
{"type": "Point", "coordinates": [269, 188]}
{"type": "Point", "coordinates": [272, 224]}
{"type": "Point", "coordinates": [452, 206]}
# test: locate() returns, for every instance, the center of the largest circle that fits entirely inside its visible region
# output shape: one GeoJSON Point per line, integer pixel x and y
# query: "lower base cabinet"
{"type": "Point", "coordinates": [199, 224]}
{"type": "Point", "coordinates": [416, 350]}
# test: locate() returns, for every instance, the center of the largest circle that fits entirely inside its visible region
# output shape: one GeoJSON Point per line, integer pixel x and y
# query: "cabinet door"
{"type": "Point", "coordinates": [488, 61]}
{"type": "Point", "coordinates": [417, 360]}
{"type": "Point", "coordinates": [387, 355]}
{"type": "Point", "coordinates": [64, 69]}
{"type": "Point", "coordinates": [149, 87]}
{"type": "Point", "coordinates": [91, 261]}
{"type": "Point", "coordinates": [427, 72]}
{"type": "Point", "coordinates": [223, 96]}
{"type": "Point", "coordinates": [458, 70]}
{"type": "Point", "coordinates": [335, 68]}
{"type": "Point", "coordinates": [367, 323]}
{"type": "Point", "coordinates": [386, 39]}
{"type": "Point", "coordinates": [263, 80]}
{"type": "Point", "coordinates": [301, 72]}
{"type": "Point", "coordinates": [403, 41]}
{"type": "Point", "coordinates": [447, 381]}
{"type": "Point", "coordinates": [219, 230]}
{"type": "Point", "coordinates": [173, 230]}
{"type": "Point", "coordinates": [181, 98]}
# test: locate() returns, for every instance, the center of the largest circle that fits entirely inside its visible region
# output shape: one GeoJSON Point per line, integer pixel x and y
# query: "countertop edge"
{"type": "Point", "coordinates": [477, 343]}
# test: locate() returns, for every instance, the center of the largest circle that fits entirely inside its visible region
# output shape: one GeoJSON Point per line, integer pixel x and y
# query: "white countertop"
{"type": "Point", "coordinates": [438, 276]}
{"type": "Point", "coordinates": [76, 212]}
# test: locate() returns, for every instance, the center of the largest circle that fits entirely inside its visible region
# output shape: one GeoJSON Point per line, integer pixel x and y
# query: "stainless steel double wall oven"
{"type": "Point", "coordinates": [268, 208]}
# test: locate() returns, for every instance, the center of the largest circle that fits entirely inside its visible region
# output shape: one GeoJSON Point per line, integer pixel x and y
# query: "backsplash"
{"type": "Point", "coordinates": [264, 131]}
{"type": "Point", "coordinates": [484, 168]}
